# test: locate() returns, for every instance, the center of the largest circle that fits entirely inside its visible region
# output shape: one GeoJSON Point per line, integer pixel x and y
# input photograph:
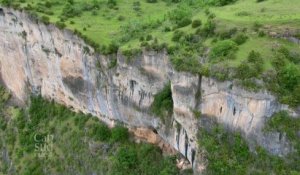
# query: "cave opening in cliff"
{"type": "Point", "coordinates": [154, 130]}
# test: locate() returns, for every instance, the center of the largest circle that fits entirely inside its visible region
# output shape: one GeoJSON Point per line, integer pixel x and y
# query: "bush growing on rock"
{"type": "Point", "coordinates": [162, 105]}
{"type": "Point", "coordinates": [112, 48]}
{"type": "Point", "coordinates": [60, 25]}
{"type": "Point", "coordinates": [45, 20]}
{"type": "Point", "coordinates": [188, 64]}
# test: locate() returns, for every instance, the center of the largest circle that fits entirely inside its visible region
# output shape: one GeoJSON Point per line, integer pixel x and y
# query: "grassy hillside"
{"type": "Point", "coordinates": [210, 37]}
{"type": "Point", "coordinates": [279, 13]}
{"type": "Point", "coordinates": [101, 21]}
{"type": "Point", "coordinates": [104, 20]}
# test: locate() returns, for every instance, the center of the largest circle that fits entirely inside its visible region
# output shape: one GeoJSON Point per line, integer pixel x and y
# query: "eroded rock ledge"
{"type": "Point", "coordinates": [35, 58]}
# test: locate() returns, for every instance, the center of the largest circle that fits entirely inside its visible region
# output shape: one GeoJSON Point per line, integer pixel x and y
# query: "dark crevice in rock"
{"type": "Point", "coordinates": [27, 65]}
{"type": "Point", "coordinates": [132, 83]}
{"type": "Point", "coordinates": [280, 136]}
{"type": "Point", "coordinates": [2, 12]}
{"type": "Point", "coordinates": [142, 94]}
{"type": "Point", "coordinates": [234, 110]}
{"type": "Point", "coordinates": [193, 156]}
{"type": "Point", "coordinates": [178, 127]}
{"type": "Point", "coordinates": [154, 130]}
{"type": "Point", "coordinates": [58, 53]}
{"type": "Point", "coordinates": [198, 93]}
{"type": "Point", "coordinates": [186, 145]}
{"type": "Point", "coordinates": [75, 84]}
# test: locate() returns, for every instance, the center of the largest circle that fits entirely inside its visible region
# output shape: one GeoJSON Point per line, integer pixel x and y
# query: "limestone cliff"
{"type": "Point", "coordinates": [35, 58]}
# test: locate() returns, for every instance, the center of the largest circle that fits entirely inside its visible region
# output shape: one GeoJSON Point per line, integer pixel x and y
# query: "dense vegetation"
{"type": "Point", "coordinates": [228, 153]}
{"type": "Point", "coordinates": [78, 144]}
{"type": "Point", "coordinates": [162, 105]}
{"type": "Point", "coordinates": [209, 37]}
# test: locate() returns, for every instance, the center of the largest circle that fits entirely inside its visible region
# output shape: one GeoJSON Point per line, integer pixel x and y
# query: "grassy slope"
{"type": "Point", "coordinates": [262, 45]}
{"type": "Point", "coordinates": [105, 27]}
{"type": "Point", "coordinates": [275, 14]}
{"type": "Point", "coordinates": [270, 12]}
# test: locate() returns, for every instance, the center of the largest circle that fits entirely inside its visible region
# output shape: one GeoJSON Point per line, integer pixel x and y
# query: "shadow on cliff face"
{"type": "Point", "coordinates": [76, 84]}
{"type": "Point", "coordinates": [2, 12]}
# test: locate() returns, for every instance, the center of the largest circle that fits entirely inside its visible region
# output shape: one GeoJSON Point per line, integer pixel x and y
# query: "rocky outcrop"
{"type": "Point", "coordinates": [245, 111]}
{"type": "Point", "coordinates": [35, 58]}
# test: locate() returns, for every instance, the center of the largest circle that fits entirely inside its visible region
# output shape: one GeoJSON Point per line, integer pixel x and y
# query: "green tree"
{"type": "Point", "coordinates": [223, 49]}
{"type": "Point", "coordinates": [289, 77]}
{"type": "Point", "coordinates": [119, 133]}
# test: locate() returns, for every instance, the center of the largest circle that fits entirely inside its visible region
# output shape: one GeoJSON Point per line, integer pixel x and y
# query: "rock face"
{"type": "Point", "coordinates": [35, 58]}
{"type": "Point", "coordinates": [244, 111]}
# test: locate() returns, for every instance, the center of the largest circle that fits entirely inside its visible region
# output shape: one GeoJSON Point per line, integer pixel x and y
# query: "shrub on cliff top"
{"type": "Point", "coordinates": [250, 68]}
{"type": "Point", "coordinates": [223, 49]}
